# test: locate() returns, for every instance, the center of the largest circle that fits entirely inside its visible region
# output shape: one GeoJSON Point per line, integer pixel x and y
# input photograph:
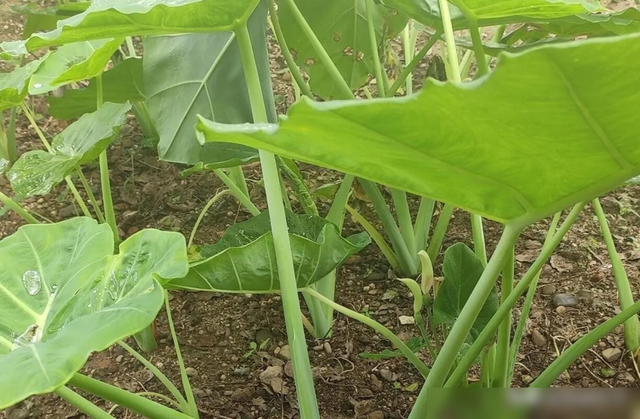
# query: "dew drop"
{"type": "Point", "coordinates": [37, 85]}
{"type": "Point", "coordinates": [32, 282]}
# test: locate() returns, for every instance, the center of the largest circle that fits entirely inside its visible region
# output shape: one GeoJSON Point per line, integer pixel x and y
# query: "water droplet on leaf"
{"type": "Point", "coordinates": [32, 282]}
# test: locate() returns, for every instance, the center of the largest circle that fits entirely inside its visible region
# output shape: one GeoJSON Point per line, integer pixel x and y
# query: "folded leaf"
{"type": "Point", "coordinates": [547, 129]}
{"type": "Point", "coordinates": [244, 259]}
{"type": "Point", "coordinates": [201, 74]}
{"type": "Point", "coordinates": [14, 85]}
{"type": "Point", "coordinates": [462, 270]}
{"type": "Point", "coordinates": [64, 295]}
{"type": "Point", "coordinates": [36, 172]}
{"type": "Point", "coordinates": [45, 18]}
{"type": "Point", "coordinates": [71, 63]}
{"type": "Point", "coordinates": [120, 18]}
{"type": "Point", "coordinates": [123, 83]}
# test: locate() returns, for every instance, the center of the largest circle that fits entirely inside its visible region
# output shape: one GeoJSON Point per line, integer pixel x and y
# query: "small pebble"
{"type": "Point", "coordinates": [561, 310]}
{"type": "Point", "coordinates": [566, 300]}
{"type": "Point", "coordinates": [548, 289]}
{"type": "Point", "coordinates": [611, 354]}
{"type": "Point", "coordinates": [407, 320]}
{"type": "Point", "coordinates": [119, 358]}
{"type": "Point", "coordinates": [191, 372]}
{"type": "Point", "coordinates": [538, 338]}
{"type": "Point", "coordinates": [327, 348]}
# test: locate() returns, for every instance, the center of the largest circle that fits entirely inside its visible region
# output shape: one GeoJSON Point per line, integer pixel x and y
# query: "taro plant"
{"type": "Point", "coordinates": [550, 128]}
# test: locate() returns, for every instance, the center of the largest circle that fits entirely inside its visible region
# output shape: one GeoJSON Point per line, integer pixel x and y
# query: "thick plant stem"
{"type": "Point", "coordinates": [631, 326]}
{"type": "Point", "coordinates": [290, 300]}
{"type": "Point", "coordinates": [438, 233]}
{"type": "Point", "coordinates": [92, 197]}
{"type": "Point", "coordinates": [408, 46]}
{"type": "Point", "coordinates": [477, 230]}
{"type": "Point", "coordinates": [126, 399]}
{"type": "Point", "coordinates": [504, 331]}
{"type": "Point", "coordinates": [82, 404]}
{"type": "Point", "coordinates": [78, 197]}
{"type": "Point", "coordinates": [526, 306]}
{"type": "Point", "coordinates": [237, 192]}
{"type": "Point", "coordinates": [472, 21]}
{"type": "Point", "coordinates": [376, 236]}
{"type": "Point", "coordinates": [388, 334]}
{"type": "Point", "coordinates": [146, 340]}
{"type": "Point", "coordinates": [373, 43]}
{"type": "Point", "coordinates": [489, 330]}
{"type": "Point", "coordinates": [17, 208]}
{"type": "Point", "coordinates": [414, 62]}
{"type": "Point", "coordinates": [423, 223]}
{"type": "Point", "coordinates": [404, 220]}
{"type": "Point", "coordinates": [452, 54]}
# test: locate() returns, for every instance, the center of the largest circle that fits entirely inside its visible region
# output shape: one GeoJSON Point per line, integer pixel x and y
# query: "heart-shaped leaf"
{"type": "Point", "coordinates": [201, 74]}
{"type": "Point", "coordinates": [120, 18]}
{"type": "Point", "coordinates": [462, 269]}
{"type": "Point", "coordinates": [123, 83]}
{"type": "Point", "coordinates": [71, 63]}
{"type": "Point", "coordinates": [36, 172]}
{"type": "Point", "coordinates": [341, 27]}
{"type": "Point", "coordinates": [64, 295]}
{"type": "Point", "coordinates": [244, 259]}
{"type": "Point", "coordinates": [547, 129]}
{"type": "Point", "coordinates": [14, 85]}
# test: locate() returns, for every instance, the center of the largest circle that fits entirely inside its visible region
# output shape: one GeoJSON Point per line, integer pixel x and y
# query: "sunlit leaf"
{"type": "Point", "coordinates": [64, 295]}
{"type": "Point", "coordinates": [37, 171]}
{"type": "Point", "coordinates": [547, 129]}
{"type": "Point", "coordinates": [244, 259]}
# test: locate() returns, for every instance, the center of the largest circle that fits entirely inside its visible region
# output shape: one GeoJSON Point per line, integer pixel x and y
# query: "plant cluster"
{"type": "Point", "coordinates": [548, 129]}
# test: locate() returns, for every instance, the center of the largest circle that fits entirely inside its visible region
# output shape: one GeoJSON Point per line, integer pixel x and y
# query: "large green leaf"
{"type": "Point", "coordinates": [341, 27]}
{"type": "Point", "coordinates": [494, 12]}
{"type": "Point", "coordinates": [123, 83]}
{"type": "Point", "coordinates": [548, 128]}
{"type": "Point", "coordinates": [14, 86]}
{"type": "Point", "coordinates": [45, 18]}
{"type": "Point", "coordinates": [462, 270]}
{"type": "Point", "coordinates": [119, 18]}
{"type": "Point", "coordinates": [64, 295]}
{"type": "Point", "coordinates": [201, 74]}
{"type": "Point", "coordinates": [244, 259]}
{"type": "Point", "coordinates": [619, 23]}
{"type": "Point", "coordinates": [71, 63]}
{"type": "Point", "coordinates": [37, 171]}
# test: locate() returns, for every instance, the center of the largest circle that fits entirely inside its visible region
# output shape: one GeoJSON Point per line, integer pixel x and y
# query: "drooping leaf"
{"type": "Point", "coordinates": [341, 27]}
{"type": "Point", "coordinates": [462, 269]}
{"type": "Point", "coordinates": [45, 18]}
{"type": "Point", "coordinates": [244, 259]}
{"type": "Point", "coordinates": [202, 74]}
{"type": "Point", "coordinates": [71, 63]}
{"type": "Point", "coordinates": [494, 12]}
{"type": "Point", "coordinates": [37, 172]}
{"type": "Point", "coordinates": [620, 23]}
{"type": "Point", "coordinates": [547, 129]}
{"type": "Point", "coordinates": [120, 18]}
{"type": "Point", "coordinates": [123, 83]}
{"type": "Point", "coordinates": [14, 86]}
{"type": "Point", "coordinates": [64, 295]}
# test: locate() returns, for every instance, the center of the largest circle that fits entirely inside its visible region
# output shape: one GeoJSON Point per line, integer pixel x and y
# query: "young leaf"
{"type": "Point", "coordinates": [462, 269]}
{"type": "Point", "coordinates": [123, 83]}
{"type": "Point", "coordinates": [45, 18]}
{"type": "Point", "coordinates": [494, 12]}
{"type": "Point", "coordinates": [64, 295]}
{"type": "Point", "coordinates": [548, 128]}
{"type": "Point", "coordinates": [36, 172]}
{"type": "Point", "coordinates": [202, 74]}
{"type": "Point", "coordinates": [14, 85]}
{"type": "Point", "coordinates": [244, 259]}
{"type": "Point", "coordinates": [341, 27]}
{"type": "Point", "coordinates": [120, 18]}
{"type": "Point", "coordinates": [71, 63]}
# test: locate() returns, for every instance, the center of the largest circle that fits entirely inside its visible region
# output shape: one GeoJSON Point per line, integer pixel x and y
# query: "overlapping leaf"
{"type": "Point", "coordinates": [45, 18]}
{"type": "Point", "coordinates": [202, 74]}
{"type": "Point", "coordinates": [244, 259]}
{"type": "Point", "coordinates": [36, 172]}
{"type": "Point", "coordinates": [550, 127]}
{"type": "Point", "coordinates": [123, 83]}
{"type": "Point", "coordinates": [15, 85]}
{"type": "Point", "coordinates": [64, 295]}
{"type": "Point", "coordinates": [119, 18]}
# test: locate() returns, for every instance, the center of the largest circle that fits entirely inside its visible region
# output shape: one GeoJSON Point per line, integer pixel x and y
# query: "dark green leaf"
{"type": "Point", "coordinates": [462, 269]}
{"type": "Point", "coordinates": [121, 84]}
{"type": "Point", "coordinates": [244, 259]}
{"type": "Point", "coordinates": [65, 295]}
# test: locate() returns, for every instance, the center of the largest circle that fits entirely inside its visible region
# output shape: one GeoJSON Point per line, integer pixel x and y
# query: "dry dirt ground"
{"type": "Point", "coordinates": [216, 330]}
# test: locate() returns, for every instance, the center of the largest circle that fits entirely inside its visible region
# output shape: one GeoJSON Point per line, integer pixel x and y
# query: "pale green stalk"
{"type": "Point", "coordinates": [373, 44]}
{"type": "Point", "coordinates": [376, 236]}
{"type": "Point", "coordinates": [501, 368]}
{"type": "Point", "coordinates": [92, 197]}
{"type": "Point", "coordinates": [82, 404]}
{"type": "Point", "coordinates": [631, 326]}
{"type": "Point", "coordinates": [237, 192]}
{"type": "Point", "coordinates": [423, 223]}
{"type": "Point", "coordinates": [17, 208]}
{"type": "Point", "coordinates": [12, 150]}
{"type": "Point", "coordinates": [440, 230]}
{"type": "Point", "coordinates": [472, 21]}
{"type": "Point", "coordinates": [414, 62]}
{"type": "Point", "coordinates": [204, 211]}
{"type": "Point", "coordinates": [237, 176]}
{"type": "Point", "coordinates": [295, 330]}
{"type": "Point", "coordinates": [404, 219]}
{"type": "Point", "coordinates": [408, 45]}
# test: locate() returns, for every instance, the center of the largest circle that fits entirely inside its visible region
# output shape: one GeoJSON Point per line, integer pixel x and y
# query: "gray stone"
{"type": "Point", "coordinates": [565, 300]}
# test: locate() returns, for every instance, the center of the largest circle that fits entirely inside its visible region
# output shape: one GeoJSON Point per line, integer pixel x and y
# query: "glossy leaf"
{"type": "Point", "coordinates": [120, 18]}
{"type": "Point", "coordinates": [341, 27]}
{"type": "Point", "coordinates": [37, 172]}
{"type": "Point", "coordinates": [123, 83]}
{"type": "Point", "coordinates": [547, 129]}
{"type": "Point", "coordinates": [45, 18]}
{"type": "Point", "coordinates": [494, 12]}
{"type": "Point", "coordinates": [14, 86]}
{"type": "Point", "coordinates": [202, 74]}
{"type": "Point", "coordinates": [244, 259]}
{"type": "Point", "coordinates": [462, 270]}
{"type": "Point", "coordinates": [64, 295]}
{"type": "Point", "coordinates": [72, 63]}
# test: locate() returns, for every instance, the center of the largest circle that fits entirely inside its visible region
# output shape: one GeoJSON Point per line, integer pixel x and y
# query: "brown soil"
{"type": "Point", "coordinates": [216, 330]}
